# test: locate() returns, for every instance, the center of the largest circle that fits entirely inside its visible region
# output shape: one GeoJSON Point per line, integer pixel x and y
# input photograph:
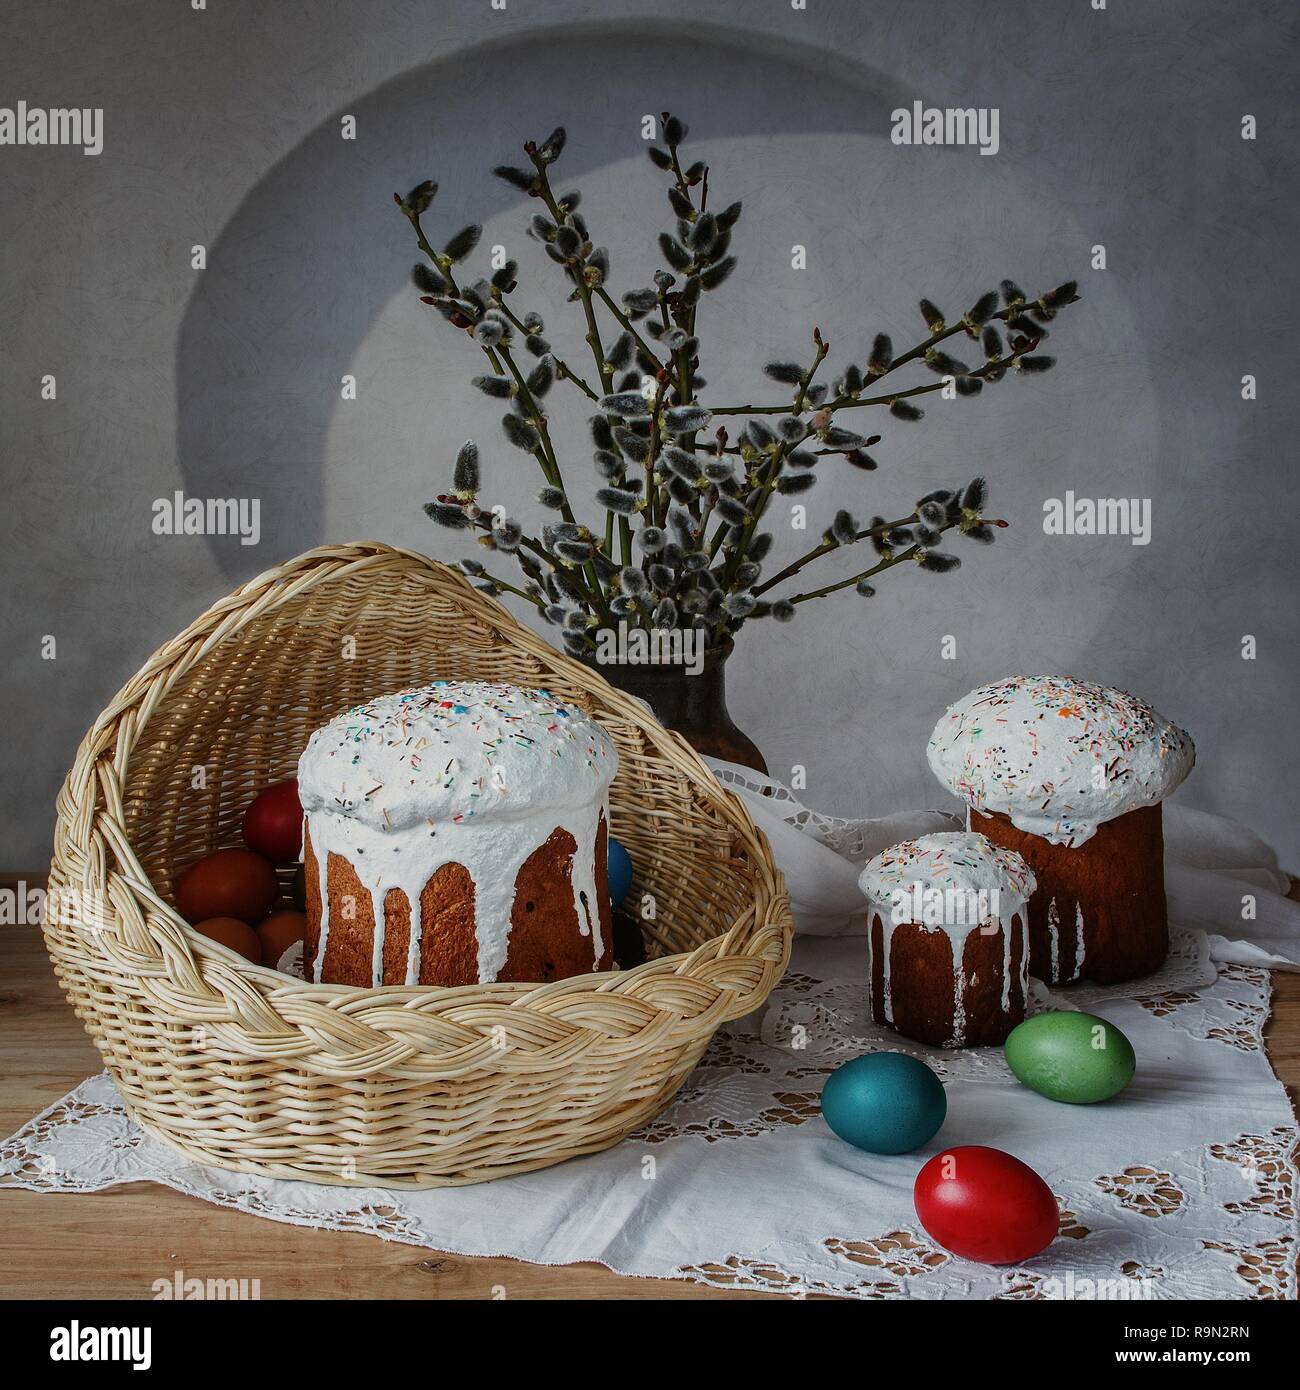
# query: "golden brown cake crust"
{"type": "Point", "coordinates": [350, 943]}
{"type": "Point", "coordinates": [545, 937]}
{"type": "Point", "coordinates": [923, 985]}
{"type": "Point", "coordinates": [982, 962]}
{"type": "Point", "coordinates": [449, 946]}
{"type": "Point", "coordinates": [546, 940]}
{"type": "Point", "coordinates": [1116, 877]}
{"type": "Point", "coordinates": [311, 882]}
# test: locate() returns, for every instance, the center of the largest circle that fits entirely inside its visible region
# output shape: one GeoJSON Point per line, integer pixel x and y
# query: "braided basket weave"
{"type": "Point", "coordinates": [245, 1068]}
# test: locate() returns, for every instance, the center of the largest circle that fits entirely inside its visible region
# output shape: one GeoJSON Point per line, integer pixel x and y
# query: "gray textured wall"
{"type": "Point", "coordinates": [1119, 127]}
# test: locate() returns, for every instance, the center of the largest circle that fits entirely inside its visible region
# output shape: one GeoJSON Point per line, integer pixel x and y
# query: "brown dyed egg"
{"type": "Point", "coordinates": [279, 934]}
{"type": "Point", "coordinates": [230, 931]}
{"type": "Point", "coordinates": [229, 883]}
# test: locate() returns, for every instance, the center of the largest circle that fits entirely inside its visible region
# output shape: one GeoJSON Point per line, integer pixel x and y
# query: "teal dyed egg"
{"type": "Point", "coordinates": [620, 872]}
{"type": "Point", "coordinates": [885, 1102]}
{"type": "Point", "coordinates": [1072, 1057]}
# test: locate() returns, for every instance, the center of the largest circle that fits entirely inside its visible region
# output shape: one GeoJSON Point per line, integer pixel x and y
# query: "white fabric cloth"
{"type": "Point", "coordinates": [1183, 1186]}
{"type": "Point", "coordinates": [1215, 869]}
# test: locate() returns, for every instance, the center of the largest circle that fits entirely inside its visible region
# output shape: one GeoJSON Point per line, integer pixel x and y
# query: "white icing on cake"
{"type": "Point", "coordinates": [964, 870]}
{"type": "Point", "coordinates": [463, 772]}
{"type": "Point", "coordinates": [960, 860]}
{"type": "Point", "coordinates": [1058, 757]}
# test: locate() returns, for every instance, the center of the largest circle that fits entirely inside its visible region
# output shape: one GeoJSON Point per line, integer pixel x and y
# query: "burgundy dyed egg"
{"type": "Point", "coordinates": [273, 822]}
{"type": "Point", "coordinates": [985, 1205]}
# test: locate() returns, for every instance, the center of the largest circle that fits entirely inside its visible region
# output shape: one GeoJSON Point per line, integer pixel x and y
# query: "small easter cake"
{"type": "Point", "coordinates": [1072, 775]}
{"type": "Point", "coordinates": [457, 835]}
{"type": "Point", "coordinates": [949, 942]}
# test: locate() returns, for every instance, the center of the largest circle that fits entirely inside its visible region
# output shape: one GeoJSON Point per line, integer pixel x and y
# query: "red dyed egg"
{"type": "Point", "coordinates": [985, 1205]}
{"type": "Point", "coordinates": [229, 883]}
{"type": "Point", "coordinates": [273, 823]}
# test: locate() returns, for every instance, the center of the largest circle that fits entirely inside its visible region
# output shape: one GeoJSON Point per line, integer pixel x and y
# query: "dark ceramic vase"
{"type": "Point", "coordinates": [691, 704]}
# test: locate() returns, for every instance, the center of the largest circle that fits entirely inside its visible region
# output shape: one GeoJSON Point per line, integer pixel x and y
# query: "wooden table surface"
{"type": "Point", "coordinates": [114, 1244]}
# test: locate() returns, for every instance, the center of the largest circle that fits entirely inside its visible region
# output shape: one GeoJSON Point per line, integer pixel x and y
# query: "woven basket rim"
{"type": "Point", "coordinates": [102, 767]}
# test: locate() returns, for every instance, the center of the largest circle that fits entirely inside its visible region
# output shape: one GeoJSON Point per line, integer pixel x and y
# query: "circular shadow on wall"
{"type": "Point", "coordinates": [301, 282]}
{"type": "Point", "coordinates": [317, 250]}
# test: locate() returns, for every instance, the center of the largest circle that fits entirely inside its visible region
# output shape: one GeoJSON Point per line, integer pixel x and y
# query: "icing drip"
{"type": "Point", "coordinates": [1054, 937]}
{"type": "Point", "coordinates": [323, 940]}
{"type": "Point", "coordinates": [886, 953]}
{"type": "Point", "coordinates": [464, 773]}
{"type": "Point", "coordinates": [1058, 756]}
{"type": "Point", "coordinates": [379, 917]}
{"type": "Point", "coordinates": [1078, 941]}
{"type": "Point", "coordinates": [1006, 962]}
{"type": "Point", "coordinates": [958, 1038]}
{"type": "Point", "coordinates": [414, 941]}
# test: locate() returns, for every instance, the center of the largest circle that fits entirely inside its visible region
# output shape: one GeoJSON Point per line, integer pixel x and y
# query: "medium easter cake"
{"type": "Point", "coordinates": [457, 834]}
{"type": "Point", "coordinates": [1072, 775]}
{"type": "Point", "coordinates": [949, 946]}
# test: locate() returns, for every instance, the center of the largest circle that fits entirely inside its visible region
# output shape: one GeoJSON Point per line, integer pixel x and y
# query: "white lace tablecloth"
{"type": "Point", "coordinates": [1185, 1186]}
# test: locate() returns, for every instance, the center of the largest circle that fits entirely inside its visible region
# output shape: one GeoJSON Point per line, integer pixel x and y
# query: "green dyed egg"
{"type": "Point", "coordinates": [1077, 1058]}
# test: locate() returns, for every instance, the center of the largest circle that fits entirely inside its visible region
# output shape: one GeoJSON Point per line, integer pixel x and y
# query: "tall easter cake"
{"type": "Point", "coordinates": [1071, 775]}
{"type": "Point", "coordinates": [455, 835]}
{"type": "Point", "coordinates": [949, 947]}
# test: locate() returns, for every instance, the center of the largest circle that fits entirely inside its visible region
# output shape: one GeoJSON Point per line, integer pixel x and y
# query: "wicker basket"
{"type": "Point", "coordinates": [241, 1067]}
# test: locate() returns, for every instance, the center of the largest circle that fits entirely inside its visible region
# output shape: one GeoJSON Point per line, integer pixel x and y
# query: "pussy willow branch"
{"type": "Point", "coordinates": [653, 499]}
{"type": "Point", "coordinates": [772, 472]}
{"type": "Point", "coordinates": [684, 188]}
{"type": "Point", "coordinates": [526, 543]}
{"type": "Point", "coordinates": [590, 585]}
{"type": "Point", "coordinates": [535, 547]}
{"type": "Point", "coordinates": [604, 296]}
{"type": "Point", "coordinates": [830, 544]}
{"type": "Point", "coordinates": [576, 272]}
{"type": "Point", "coordinates": [545, 451]}
{"type": "Point", "coordinates": [911, 355]}
{"type": "Point", "coordinates": [443, 266]}
{"type": "Point", "coordinates": [888, 562]}
{"type": "Point", "coordinates": [552, 473]}
{"type": "Point", "coordinates": [584, 291]}
{"type": "Point", "coordinates": [686, 393]}
{"type": "Point", "coordinates": [518, 593]}
{"type": "Point", "coordinates": [563, 371]}
{"type": "Point", "coordinates": [692, 310]}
